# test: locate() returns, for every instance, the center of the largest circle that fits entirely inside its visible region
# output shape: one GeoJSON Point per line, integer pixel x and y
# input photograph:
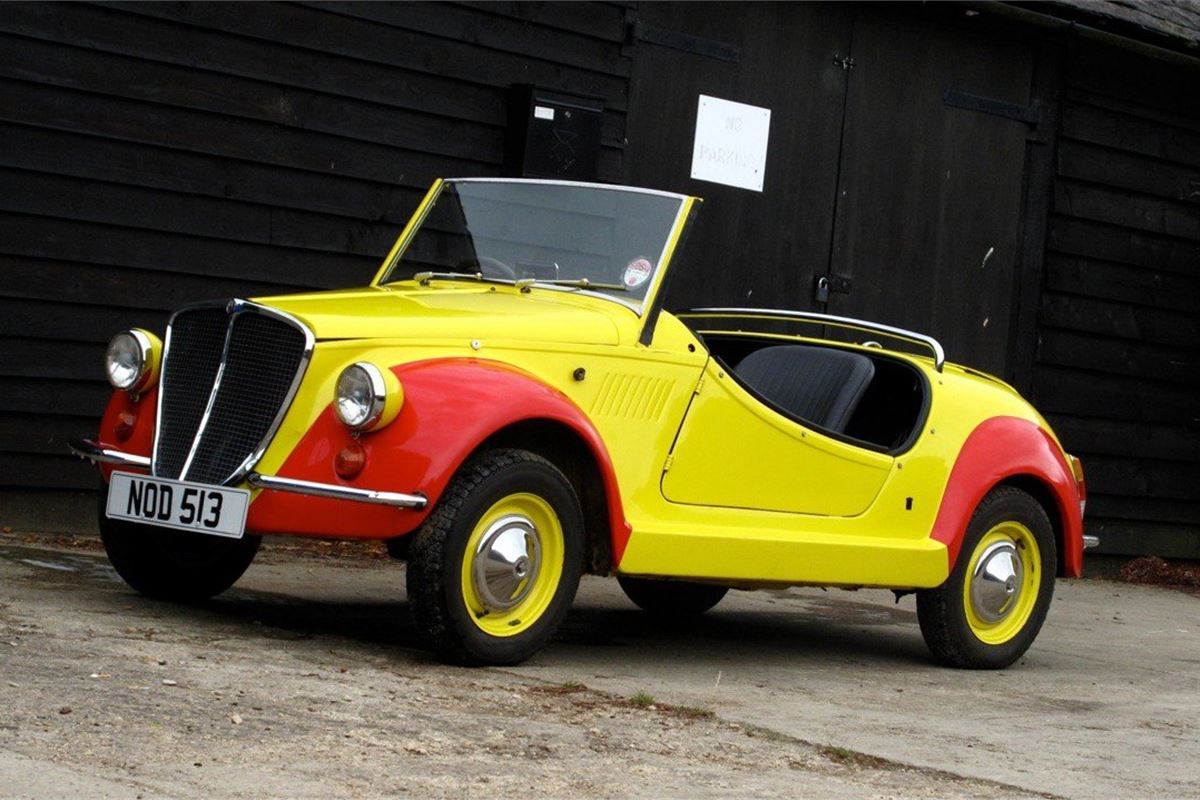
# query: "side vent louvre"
{"type": "Point", "coordinates": [631, 397]}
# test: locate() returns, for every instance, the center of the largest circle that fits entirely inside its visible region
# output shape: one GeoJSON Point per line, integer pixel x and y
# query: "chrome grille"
{"type": "Point", "coordinates": [229, 374]}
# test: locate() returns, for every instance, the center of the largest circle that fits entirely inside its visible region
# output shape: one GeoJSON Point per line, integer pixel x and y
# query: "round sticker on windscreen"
{"type": "Point", "coordinates": [638, 272]}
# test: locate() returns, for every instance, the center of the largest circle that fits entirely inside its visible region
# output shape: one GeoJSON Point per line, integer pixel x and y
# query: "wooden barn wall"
{"type": "Point", "coordinates": [1118, 350]}
{"type": "Point", "coordinates": [156, 154]}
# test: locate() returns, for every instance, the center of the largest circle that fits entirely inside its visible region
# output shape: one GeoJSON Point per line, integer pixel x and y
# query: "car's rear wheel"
{"type": "Point", "coordinates": [672, 598]}
{"type": "Point", "coordinates": [990, 609]}
{"type": "Point", "coordinates": [174, 565]}
{"type": "Point", "coordinates": [496, 566]}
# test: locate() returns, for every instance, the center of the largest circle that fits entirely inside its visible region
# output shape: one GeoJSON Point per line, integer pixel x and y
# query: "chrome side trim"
{"type": "Point", "coordinates": [939, 355]}
{"type": "Point", "coordinates": [99, 454]}
{"type": "Point", "coordinates": [335, 492]}
{"type": "Point", "coordinates": [1090, 542]}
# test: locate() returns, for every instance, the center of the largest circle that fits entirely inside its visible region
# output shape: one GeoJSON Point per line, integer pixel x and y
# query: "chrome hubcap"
{"type": "Point", "coordinates": [506, 562]}
{"type": "Point", "coordinates": [996, 583]}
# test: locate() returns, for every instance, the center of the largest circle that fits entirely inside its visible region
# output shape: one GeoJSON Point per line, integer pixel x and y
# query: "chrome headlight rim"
{"type": "Point", "coordinates": [143, 350]}
{"type": "Point", "coordinates": [375, 403]}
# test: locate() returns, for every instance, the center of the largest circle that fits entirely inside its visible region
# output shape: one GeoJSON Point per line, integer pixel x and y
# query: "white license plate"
{"type": "Point", "coordinates": [178, 504]}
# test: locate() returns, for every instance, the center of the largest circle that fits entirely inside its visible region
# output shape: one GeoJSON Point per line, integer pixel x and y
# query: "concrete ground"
{"type": "Point", "coordinates": [304, 681]}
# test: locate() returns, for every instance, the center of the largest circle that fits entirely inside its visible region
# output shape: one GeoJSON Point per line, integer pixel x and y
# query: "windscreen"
{"type": "Point", "coordinates": [593, 238]}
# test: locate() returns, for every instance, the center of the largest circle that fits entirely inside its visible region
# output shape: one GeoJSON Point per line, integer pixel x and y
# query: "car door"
{"type": "Point", "coordinates": [733, 451]}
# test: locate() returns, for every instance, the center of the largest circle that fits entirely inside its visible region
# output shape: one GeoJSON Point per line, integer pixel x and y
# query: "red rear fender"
{"type": "Point", "coordinates": [1009, 449]}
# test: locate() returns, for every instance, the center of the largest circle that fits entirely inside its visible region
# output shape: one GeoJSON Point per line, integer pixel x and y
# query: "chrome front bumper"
{"type": "Point", "coordinates": [99, 454]}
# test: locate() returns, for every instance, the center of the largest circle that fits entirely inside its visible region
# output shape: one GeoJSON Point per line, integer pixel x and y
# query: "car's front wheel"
{"type": "Point", "coordinates": [494, 569]}
{"type": "Point", "coordinates": [990, 609]}
{"type": "Point", "coordinates": [174, 565]}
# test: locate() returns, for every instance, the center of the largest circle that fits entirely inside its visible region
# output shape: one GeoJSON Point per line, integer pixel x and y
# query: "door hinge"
{"type": "Point", "coordinates": [845, 62]}
{"type": "Point", "coordinates": [1031, 114]}
{"type": "Point", "coordinates": [699, 385]}
{"type": "Point", "coordinates": [670, 460]}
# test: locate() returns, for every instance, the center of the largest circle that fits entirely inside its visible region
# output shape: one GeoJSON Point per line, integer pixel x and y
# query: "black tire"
{"type": "Point", "coordinates": [437, 593]}
{"type": "Point", "coordinates": [943, 612]}
{"type": "Point", "coordinates": [174, 565]}
{"type": "Point", "coordinates": [672, 598]}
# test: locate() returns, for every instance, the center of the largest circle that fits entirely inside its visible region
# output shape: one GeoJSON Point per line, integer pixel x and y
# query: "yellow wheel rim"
{"type": "Point", "coordinates": [1002, 582]}
{"type": "Point", "coordinates": [512, 565]}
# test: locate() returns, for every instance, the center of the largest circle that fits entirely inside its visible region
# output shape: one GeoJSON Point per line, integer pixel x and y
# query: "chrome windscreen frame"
{"type": "Point", "coordinates": [232, 309]}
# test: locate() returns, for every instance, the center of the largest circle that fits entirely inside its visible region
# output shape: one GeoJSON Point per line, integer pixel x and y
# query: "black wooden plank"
{"type": "Point", "coordinates": [38, 358]}
{"type": "Point", "coordinates": [1130, 106]}
{"type": "Point", "coordinates": [599, 20]}
{"type": "Point", "coordinates": [138, 79]}
{"type": "Point", "coordinates": [496, 33]}
{"type": "Point", "coordinates": [1129, 171]}
{"type": "Point", "coordinates": [44, 471]}
{"type": "Point", "coordinates": [50, 320]}
{"type": "Point", "coordinates": [329, 32]}
{"type": "Point", "coordinates": [1138, 323]}
{"type": "Point", "coordinates": [1127, 209]}
{"type": "Point", "coordinates": [1130, 133]}
{"type": "Point", "coordinates": [149, 209]}
{"type": "Point", "coordinates": [44, 433]}
{"type": "Point", "coordinates": [1110, 243]}
{"type": "Point", "coordinates": [1152, 509]}
{"type": "Point", "coordinates": [1127, 76]}
{"type": "Point", "coordinates": [53, 396]}
{"type": "Point", "coordinates": [1062, 391]}
{"type": "Point", "coordinates": [83, 156]}
{"type": "Point", "coordinates": [1135, 538]}
{"type": "Point", "coordinates": [113, 31]}
{"type": "Point", "coordinates": [45, 238]}
{"type": "Point", "coordinates": [1142, 477]}
{"type": "Point", "coordinates": [1112, 281]}
{"type": "Point", "coordinates": [200, 132]}
{"type": "Point", "coordinates": [1119, 357]}
{"type": "Point", "coordinates": [106, 285]}
{"type": "Point", "coordinates": [1127, 438]}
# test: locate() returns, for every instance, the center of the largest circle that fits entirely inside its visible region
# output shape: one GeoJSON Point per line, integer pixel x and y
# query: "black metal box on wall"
{"type": "Point", "coordinates": [553, 134]}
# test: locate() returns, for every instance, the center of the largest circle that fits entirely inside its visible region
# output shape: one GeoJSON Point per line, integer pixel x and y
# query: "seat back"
{"type": "Point", "coordinates": [819, 384]}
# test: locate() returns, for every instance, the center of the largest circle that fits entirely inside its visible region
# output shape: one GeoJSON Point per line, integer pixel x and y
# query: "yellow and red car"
{"type": "Point", "coordinates": [509, 406]}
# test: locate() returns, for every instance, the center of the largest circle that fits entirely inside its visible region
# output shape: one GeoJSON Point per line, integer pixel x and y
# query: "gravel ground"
{"type": "Point", "coordinates": [303, 681]}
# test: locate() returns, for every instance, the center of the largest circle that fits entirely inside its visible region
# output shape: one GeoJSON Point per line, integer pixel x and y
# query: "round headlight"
{"type": "Point", "coordinates": [131, 360]}
{"type": "Point", "coordinates": [361, 396]}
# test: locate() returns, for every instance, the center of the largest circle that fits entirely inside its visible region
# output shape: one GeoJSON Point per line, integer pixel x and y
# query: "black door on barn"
{"type": "Point", "coordinates": [928, 220]}
{"type": "Point", "coordinates": [876, 172]}
{"type": "Point", "coordinates": [749, 248]}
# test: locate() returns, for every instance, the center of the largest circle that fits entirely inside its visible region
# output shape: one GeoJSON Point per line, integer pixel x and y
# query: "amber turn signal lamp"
{"type": "Point", "coordinates": [126, 421]}
{"type": "Point", "coordinates": [350, 461]}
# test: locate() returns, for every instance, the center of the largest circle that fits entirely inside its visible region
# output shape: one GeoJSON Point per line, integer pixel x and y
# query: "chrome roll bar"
{"type": "Point", "coordinates": [849, 323]}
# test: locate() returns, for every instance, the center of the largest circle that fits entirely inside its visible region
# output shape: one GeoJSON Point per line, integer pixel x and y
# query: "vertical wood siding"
{"type": "Point", "coordinates": [1117, 368]}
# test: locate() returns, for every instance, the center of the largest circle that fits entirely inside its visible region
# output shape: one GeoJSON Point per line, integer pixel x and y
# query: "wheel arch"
{"type": "Point", "coordinates": [1017, 452]}
{"type": "Point", "coordinates": [1043, 493]}
{"type": "Point", "coordinates": [565, 448]}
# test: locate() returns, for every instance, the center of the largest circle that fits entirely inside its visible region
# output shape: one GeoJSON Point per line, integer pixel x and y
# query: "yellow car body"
{"type": "Point", "coordinates": [689, 474]}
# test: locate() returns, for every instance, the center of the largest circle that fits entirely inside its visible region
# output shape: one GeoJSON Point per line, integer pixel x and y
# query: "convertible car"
{"type": "Point", "coordinates": [508, 405]}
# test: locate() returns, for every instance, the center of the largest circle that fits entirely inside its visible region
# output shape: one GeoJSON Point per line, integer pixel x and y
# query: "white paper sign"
{"type": "Point", "coordinates": [731, 143]}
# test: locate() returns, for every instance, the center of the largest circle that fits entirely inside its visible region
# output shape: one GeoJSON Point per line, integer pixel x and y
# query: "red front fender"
{"type": "Point", "coordinates": [1003, 449]}
{"type": "Point", "coordinates": [451, 406]}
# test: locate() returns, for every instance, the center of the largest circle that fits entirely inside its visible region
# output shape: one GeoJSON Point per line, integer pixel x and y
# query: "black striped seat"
{"type": "Point", "coordinates": [820, 385]}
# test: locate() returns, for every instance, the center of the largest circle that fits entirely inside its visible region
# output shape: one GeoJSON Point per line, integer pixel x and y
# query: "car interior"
{"type": "Point", "coordinates": [871, 400]}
